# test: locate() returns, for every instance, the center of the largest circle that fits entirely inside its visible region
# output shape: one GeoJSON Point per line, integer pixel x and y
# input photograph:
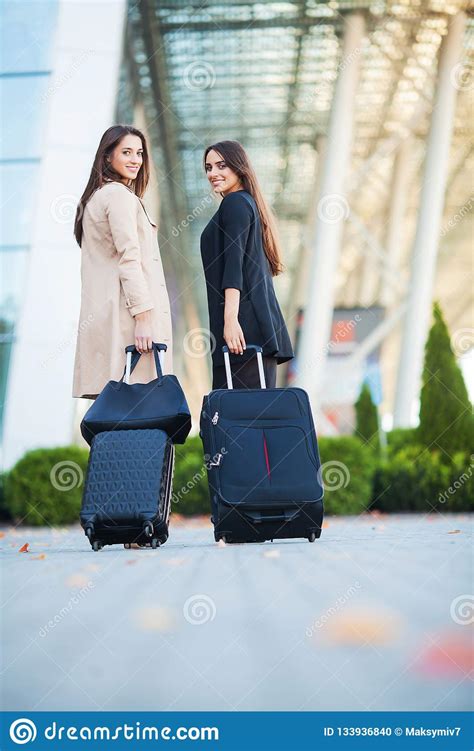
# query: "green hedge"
{"type": "Point", "coordinates": [190, 487]}
{"type": "Point", "coordinates": [415, 479]}
{"type": "Point", "coordinates": [400, 438]}
{"type": "Point", "coordinates": [347, 470]}
{"type": "Point", "coordinates": [45, 486]}
{"type": "Point", "coordinates": [459, 495]}
{"type": "Point", "coordinates": [4, 511]}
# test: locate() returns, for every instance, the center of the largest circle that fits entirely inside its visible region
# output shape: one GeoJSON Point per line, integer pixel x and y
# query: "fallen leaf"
{"type": "Point", "coordinates": [24, 548]}
{"type": "Point", "coordinates": [174, 561]}
{"type": "Point", "coordinates": [77, 580]}
{"type": "Point", "coordinates": [2, 534]}
{"type": "Point", "coordinates": [271, 554]}
{"type": "Point", "coordinates": [361, 627]}
{"type": "Point", "coordinates": [325, 525]}
{"type": "Point", "coordinates": [154, 619]}
{"type": "Point", "coordinates": [131, 563]}
{"type": "Point", "coordinates": [40, 557]}
{"type": "Point", "coordinates": [450, 655]}
{"type": "Point", "coordinates": [454, 532]}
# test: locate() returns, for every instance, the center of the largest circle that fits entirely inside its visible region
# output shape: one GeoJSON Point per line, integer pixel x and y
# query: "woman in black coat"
{"type": "Point", "coordinates": [240, 255]}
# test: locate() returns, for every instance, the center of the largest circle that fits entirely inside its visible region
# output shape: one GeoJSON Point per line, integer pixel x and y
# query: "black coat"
{"type": "Point", "coordinates": [233, 256]}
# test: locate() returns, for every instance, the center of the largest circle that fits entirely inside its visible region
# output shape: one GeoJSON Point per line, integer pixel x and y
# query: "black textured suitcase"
{"type": "Point", "coordinates": [127, 490]}
{"type": "Point", "coordinates": [263, 462]}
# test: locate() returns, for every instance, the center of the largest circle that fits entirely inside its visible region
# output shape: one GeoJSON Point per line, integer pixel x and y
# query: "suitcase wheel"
{"type": "Point", "coordinates": [224, 538]}
{"type": "Point", "coordinates": [312, 536]}
{"type": "Point", "coordinates": [127, 545]}
{"type": "Point", "coordinates": [97, 545]}
{"type": "Point", "coordinates": [155, 543]}
{"type": "Point", "coordinates": [89, 532]}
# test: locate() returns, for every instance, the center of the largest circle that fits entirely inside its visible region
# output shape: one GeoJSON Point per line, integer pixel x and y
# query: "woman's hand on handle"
{"type": "Point", "coordinates": [233, 334]}
{"type": "Point", "coordinates": [143, 333]}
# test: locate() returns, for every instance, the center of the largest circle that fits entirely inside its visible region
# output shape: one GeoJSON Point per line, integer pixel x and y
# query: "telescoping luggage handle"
{"type": "Point", "coordinates": [133, 356]}
{"type": "Point", "coordinates": [228, 371]}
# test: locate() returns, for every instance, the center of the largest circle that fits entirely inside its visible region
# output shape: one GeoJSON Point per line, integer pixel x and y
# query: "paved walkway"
{"type": "Point", "coordinates": [373, 616]}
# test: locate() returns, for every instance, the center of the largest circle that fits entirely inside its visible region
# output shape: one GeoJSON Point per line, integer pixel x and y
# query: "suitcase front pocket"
{"type": "Point", "coordinates": [272, 460]}
{"type": "Point", "coordinates": [244, 462]}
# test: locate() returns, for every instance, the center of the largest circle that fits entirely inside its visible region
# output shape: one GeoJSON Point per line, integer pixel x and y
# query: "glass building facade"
{"type": "Point", "coordinates": [27, 32]}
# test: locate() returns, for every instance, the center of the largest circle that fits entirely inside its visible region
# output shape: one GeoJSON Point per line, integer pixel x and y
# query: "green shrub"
{"type": "Point", "coordinates": [446, 418]}
{"type": "Point", "coordinates": [4, 512]}
{"type": "Point", "coordinates": [410, 480]}
{"type": "Point", "coordinates": [45, 486]}
{"type": "Point", "coordinates": [190, 487]}
{"type": "Point", "coordinates": [400, 438]}
{"type": "Point", "coordinates": [458, 495]}
{"type": "Point", "coordinates": [367, 421]}
{"type": "Point", "coordinates": [348, 466]}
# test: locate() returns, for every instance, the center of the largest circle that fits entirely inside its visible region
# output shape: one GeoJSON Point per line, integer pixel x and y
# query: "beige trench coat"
{"type": "Point", "coordinates": [121, 275]}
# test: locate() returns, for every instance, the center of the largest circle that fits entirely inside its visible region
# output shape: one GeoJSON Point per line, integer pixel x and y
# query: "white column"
{"type": "Point", "coordinates": [81, 102]}
{"type": "Point", "coordinates": [299, 283]}
{"type": "Point", "coordinates": [396, 218]}
{"type": "Point", "coordinates": [331, 212]}
{"type": "Point", "coordinates": [425, 248]}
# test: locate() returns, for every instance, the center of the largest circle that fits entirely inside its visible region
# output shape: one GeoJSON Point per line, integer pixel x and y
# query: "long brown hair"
{"type": "Point", "coordinates": [237, 159]}
{"type": "Point", "coordinates": [102, 170]}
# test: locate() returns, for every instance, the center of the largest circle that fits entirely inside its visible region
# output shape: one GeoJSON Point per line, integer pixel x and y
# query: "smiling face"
{"type": "Point", "coordinates": [127, 157]}
{"type": "Point", "coordinates": [222, 178]}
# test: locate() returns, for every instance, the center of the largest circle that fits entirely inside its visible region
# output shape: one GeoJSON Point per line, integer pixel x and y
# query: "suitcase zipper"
{"type": "Point", "coordinates": [267, 462]}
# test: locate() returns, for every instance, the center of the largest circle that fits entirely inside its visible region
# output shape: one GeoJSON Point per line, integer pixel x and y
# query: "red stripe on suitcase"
{"type": "Point", "coordinates": [265, 450]}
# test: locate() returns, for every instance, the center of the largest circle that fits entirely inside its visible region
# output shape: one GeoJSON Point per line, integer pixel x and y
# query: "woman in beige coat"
{"type": "Point", "coordinates": [124, 299]}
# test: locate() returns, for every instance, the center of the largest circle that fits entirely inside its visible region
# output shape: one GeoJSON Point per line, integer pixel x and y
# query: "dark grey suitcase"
{"type": "Point", "coordinates": [128, 486]}
{"type": "Point", "coordinates": [263, 462]}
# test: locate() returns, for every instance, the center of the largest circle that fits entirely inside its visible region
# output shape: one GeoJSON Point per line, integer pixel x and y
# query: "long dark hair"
{"type": "Point", "coordinates": [102, 170]}
{"type": "Point", "coordinates": [237, 159]}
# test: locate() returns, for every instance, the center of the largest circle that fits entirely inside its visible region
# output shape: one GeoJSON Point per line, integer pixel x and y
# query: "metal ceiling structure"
{"type": "Point", "coordinates": [264, 74]}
